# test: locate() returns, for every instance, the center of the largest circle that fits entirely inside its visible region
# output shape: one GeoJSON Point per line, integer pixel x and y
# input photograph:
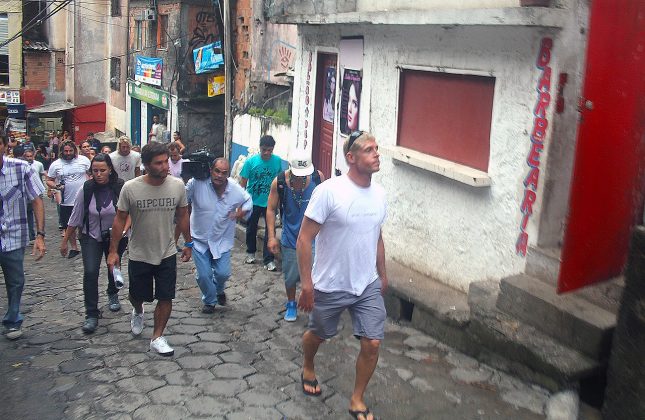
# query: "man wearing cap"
{"type": "Point", "coordinates": [215, 205]}
{"type": "Point", "coordinates": [345, 215]}
{"type": "Point", "coordinates": [290, 192]}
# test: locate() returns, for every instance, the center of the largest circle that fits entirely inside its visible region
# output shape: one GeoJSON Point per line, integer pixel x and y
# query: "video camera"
{"type": "Point", "coordinates": [198, 165]}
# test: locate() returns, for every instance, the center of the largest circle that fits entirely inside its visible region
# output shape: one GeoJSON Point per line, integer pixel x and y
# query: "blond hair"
{"type": "Point", "coordinates": [365, 136]}
{"type": "Point", "coordinates": [125, 139]}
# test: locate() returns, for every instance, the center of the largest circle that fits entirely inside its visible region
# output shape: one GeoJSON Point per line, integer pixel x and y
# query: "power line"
{"type": "Point", "coordinates": [31, 25]}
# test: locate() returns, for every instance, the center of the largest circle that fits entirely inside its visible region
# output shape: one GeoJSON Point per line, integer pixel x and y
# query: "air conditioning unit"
{"type": "Point", "coordinates": [149, 14]}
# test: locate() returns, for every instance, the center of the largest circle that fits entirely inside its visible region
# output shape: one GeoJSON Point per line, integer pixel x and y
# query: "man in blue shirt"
{"type": "Point", "coordinates": [291, 193]}
{"type": "Point", "coordinates": [19, 184]}
{"type": "Point", "coordinates": [215, 204]}
{"type": "Point", "coordinates": [256, 176]}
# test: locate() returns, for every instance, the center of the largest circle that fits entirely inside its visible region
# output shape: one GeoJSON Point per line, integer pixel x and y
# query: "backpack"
{"type": "Point", "coordinates": [88, 191]}
{"type": "Point", "coordinates": [282, 184]}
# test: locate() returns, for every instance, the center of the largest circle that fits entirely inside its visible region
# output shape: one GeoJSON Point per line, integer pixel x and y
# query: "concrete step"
{"type": "Point", "coordinates": [544, 264]}
{"type": "Point", "coordinates": [567, 318]}
{"type": "Point", "coordinates": [527, 351]}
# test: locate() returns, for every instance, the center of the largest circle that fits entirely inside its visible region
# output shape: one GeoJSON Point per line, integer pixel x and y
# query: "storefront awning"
{"type": "Point", "coordinates": [51, 108]}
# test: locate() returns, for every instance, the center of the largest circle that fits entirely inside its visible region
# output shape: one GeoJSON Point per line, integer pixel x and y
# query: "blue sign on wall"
{"type": "Point", "coordinates": [148, 70]}
{"type": "Point", "coordinates": [208, 58]}
{"type": "Point", "coordinates": [16, 111]}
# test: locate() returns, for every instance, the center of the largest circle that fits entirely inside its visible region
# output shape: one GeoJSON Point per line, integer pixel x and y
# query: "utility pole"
{"type": "Point", "coordinates": [228, 95]}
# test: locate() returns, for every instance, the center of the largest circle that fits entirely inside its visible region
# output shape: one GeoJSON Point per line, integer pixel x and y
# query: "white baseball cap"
{"type": "Point", "coordinates": [300, 162]}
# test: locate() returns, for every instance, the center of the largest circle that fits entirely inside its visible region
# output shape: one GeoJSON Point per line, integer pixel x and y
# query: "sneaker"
{"type": "Point", "coordinates": [113, 300]}
{"type": "Point", "coordinates": [136, 323]}
{"type": "Point", "coordinates": [221, 299]}
{"type": "Point", "coordinates": [270, 266]}
{"type": "Point", "coordinates": [160, 346]}
{"type": "Point", "coordinates": [208, 309]}
{"type": "Point", "coordinates": [90, 324]}
{"type": "Point", "coordinates": [250, 259]}
{"type": "Point", "coordinates": [13, 333]}
{"type": "Point", "coordinates": [292, 311]}
{"type": "Point", "coordinates": [73, 253]}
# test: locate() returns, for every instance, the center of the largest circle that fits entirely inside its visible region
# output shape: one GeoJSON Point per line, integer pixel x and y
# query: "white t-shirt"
{"type": "Point", "coordinates": [73, 173]}
{"type": "Point", "coordinates": [157, 130]}
{"type": "Point", "coordinates": [125, 165]}
{"type": "Point", "coordinates": [351, 217]}
{"type": "Point", "coordinates": [38, 167]}
{"type": "Point", "coordinates": [175, 167]}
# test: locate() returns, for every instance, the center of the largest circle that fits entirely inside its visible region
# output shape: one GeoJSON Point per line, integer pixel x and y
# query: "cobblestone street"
{"type": "Point", "coordinates": [243, 361]}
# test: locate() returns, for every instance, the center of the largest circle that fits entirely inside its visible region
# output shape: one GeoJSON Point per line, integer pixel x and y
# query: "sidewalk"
{"type": "Point", "coordinates": [242, 362]}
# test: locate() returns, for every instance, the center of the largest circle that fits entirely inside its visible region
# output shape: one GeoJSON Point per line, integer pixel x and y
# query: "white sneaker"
{"type": "Point", "coordinates": [13, 333]}
{"type": "Point", "coordinates": [136, 323]}
{"type": "Point", "coordinates": [160, 346]}
{"type": "Point", "coordinates": [270, 266]}
{"type": "Point", "coordinates": [250, 259]}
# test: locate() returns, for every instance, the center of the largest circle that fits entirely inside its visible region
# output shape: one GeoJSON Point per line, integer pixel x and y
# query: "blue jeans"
{"type": "Point", "coordinates": [93, 252]}
{"type": "Point", "coordinates": [30, 221]}
{"type": "Point", "coordinates": [14, 279]}
{"type": "Point", "coordinates": [212, 274]}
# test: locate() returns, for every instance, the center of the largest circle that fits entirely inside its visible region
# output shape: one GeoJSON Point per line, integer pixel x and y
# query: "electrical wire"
{"type": "Point", "coordinates": [31, 25]}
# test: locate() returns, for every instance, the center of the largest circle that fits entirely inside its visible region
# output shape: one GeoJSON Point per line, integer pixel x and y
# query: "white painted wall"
{"type": "Point", "coordinates": [248, 129]}
{"type": "Point", "coordinates": [437, 226]}
{"type": "Point", "coordinates": [115, 118]}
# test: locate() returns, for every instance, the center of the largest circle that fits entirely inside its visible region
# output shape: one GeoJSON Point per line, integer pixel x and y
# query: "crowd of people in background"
{"type": "Point", "coordinates": [136, 199]}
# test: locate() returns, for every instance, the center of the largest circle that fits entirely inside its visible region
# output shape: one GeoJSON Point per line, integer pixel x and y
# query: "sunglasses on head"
{"type": "Point", "coordinates": [352, 138]}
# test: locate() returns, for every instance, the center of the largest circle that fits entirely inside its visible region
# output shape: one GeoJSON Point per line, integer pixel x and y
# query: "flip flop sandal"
{"type": "Point", "coordinates": [312, 384]}
{"type": "Point", "coordinates": [356, 413]}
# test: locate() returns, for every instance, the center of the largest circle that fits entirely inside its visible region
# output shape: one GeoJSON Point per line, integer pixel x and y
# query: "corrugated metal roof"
{"type": "Point", "coordinates": [35, 45]}
{"type": "Point", "coordinates": [50, 108]}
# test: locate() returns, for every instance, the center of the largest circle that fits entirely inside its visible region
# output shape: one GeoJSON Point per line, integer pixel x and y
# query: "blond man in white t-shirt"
{"type": "Point", "coordinates": [345, 216]}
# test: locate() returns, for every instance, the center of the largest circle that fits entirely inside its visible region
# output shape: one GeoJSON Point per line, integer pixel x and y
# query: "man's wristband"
{"type": "Point", "coordinates": [41, 233]}
{"type": "Point", "coordinates": [188, 244]}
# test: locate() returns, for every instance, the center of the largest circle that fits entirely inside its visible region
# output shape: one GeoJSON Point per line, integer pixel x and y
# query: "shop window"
{"type": "Point", "coordinates": [115, 8]}
{"type": "Point", "coordinates": [446, 115]}
{"type": "Point", "coordinates": [115, 73]}
{"type": "Point", "coordinates": [162, 32]}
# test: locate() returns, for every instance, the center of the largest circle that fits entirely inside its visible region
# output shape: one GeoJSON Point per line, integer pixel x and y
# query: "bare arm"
{"type": "Point", "coordinates": [118, 226]}
{"type": "Point", "coordinates": [39, 216]}
{"type": "Point", "coordinates": [380, 263]}
{"type": "Point", "coordinates": [272, 205]}
{"type": "Point", "coordinates": [137, 171]}
{"type": "Point", "coordinates": [308, 231]}
{"type": "Point", "coordinates": [243, 182]}
{"type": "Point", "coordinates": [183, 223]}
{"type": "Point", "coordinates": [51, 182]}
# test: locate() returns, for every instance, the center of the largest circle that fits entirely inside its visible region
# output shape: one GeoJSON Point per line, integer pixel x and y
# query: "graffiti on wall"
{"type": "Point", "coordinates": [538, 137]}
{"type": "Point", "coordinates": [281, 58]}
{"type": "Point", "coordinates": [203, 28]}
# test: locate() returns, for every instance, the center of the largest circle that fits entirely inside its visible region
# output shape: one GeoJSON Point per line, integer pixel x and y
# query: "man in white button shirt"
{"type": "Point", "coordinates": [216, 203]}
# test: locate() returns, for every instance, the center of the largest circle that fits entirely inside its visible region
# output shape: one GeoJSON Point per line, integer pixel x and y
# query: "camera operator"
{"type": "Point", "coordinates": [67, 174]}
{"type": "Point", "coordinates": [94, 210]}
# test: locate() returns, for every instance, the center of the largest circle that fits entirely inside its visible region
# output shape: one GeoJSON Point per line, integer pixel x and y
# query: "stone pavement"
{"type": "Point", "coordinates": [242, 362]}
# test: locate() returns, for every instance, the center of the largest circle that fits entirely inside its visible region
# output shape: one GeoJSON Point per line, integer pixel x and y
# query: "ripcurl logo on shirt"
{"type": "Point", "coordinates": [168, 203]}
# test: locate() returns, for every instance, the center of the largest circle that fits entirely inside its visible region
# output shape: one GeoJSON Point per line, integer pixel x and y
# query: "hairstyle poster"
{"type": "Point", "coordinates": [330, 94]}
{"type": "Point", "coordinates": [350, 101]}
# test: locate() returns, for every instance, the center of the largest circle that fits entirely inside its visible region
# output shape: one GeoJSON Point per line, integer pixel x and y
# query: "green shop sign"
{"type": "Point", "coordinates": [148, 94]}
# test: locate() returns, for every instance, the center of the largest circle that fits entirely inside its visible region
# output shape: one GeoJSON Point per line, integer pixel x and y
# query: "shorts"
{"type": "Point", "coordinates": [367, 312]}
{"type": "Point", "coordinates": [141, 275]}
{"type": "Point", "coordinates": [65, 214]}
{"type": "Point", "coordinates": [290, 267]}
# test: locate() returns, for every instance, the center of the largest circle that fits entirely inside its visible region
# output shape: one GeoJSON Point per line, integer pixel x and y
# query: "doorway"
{"type": "Point", "coordinates": [606, 198]}
{"type": "Point", "coordinates": [324, 113]}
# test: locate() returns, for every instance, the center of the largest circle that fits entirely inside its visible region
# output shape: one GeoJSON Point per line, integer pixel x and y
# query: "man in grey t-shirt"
{"type": "Point", "coordinates": [152, 201]}
{"type": "Point", "coordinates": [125, 160]}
